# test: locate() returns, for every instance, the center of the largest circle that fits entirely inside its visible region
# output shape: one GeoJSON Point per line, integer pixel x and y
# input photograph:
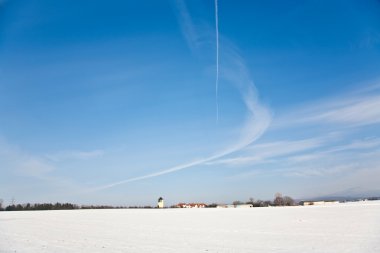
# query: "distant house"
{"type": "Point", "coordinates": [225, 206]}
{"type": "Point", "coordinates": [244, 206]}
{"type": "Point", "coordinates": [160, 203]}
{"type": "Point", "coordinates": [235, 206]}
{"type": "Point", "coordinates": [191, 205]}
{"type": "Point", "coordinates": [319, 202]}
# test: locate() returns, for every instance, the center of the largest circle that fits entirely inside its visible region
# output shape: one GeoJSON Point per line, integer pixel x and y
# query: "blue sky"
{"type": "Point", "coordinates": [114, 102]}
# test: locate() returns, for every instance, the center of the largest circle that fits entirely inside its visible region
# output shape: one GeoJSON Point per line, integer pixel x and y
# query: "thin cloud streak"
{"type": "Point", "coordinates": [355, 156]}
{"type": "Point", "coordinates": [217, 59]}
{"type": "Point", "coordinates": [265, 152]}
{"type": "Point", "coordinates": [187, 26]}
{"type": "Point", "coordinates": [353, 110]}
{"type": "Point", "coordinates": [325, 164]}
{"type": "Point", "coordinates": [257, 120]}
{"type": "Point", "coordinates": [333, 152]}
{"type": "Point", "coordinates": [317, 158]}
{"type": "Point", "coordinates": [326, 173]}
{"type": "Point", "coordinates": [74, 155]}
{"type": "Point", "coordinates": [355, 145]}
{"type": "Point", "coordinates": [358, 113]}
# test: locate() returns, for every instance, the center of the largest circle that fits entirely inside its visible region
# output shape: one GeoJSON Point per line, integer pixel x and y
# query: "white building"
{"type": "Point", "coordinates": [160, 203]}
{"type": "Point", "coordinates": [319, 203]}
{"type": "Point", "coordinates": [225, 206]}
{"type": "Point", "coordinates": [244, 206]}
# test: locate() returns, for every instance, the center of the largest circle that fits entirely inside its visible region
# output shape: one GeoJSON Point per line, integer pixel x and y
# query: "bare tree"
{"type": "Point", "coordinates": [251, 201]}
{"type": "Point", "coordinates": [266, 203]}
{"type": "Point", "coordinates": [1, 204]}
{"type": "Point", "coordinates": [278, 199]}
{"type": "Point", "coordinates": [258, 203]}
{"type": "Point", "coordinates": [288, 201]}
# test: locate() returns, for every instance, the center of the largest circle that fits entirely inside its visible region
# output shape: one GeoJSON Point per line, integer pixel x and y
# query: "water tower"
{"type": "Point", "coordinates": [160, 203]}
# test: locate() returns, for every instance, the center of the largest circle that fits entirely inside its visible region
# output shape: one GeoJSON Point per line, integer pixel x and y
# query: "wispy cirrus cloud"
{"type": "Point", "coordinates": [334, 173]}
{"type": "Point", "coordinates": [368, 143]}
{"type": "Point", "coordinates": [358, 150]}
{"type": "Point", "coordinates": [19, 161]}
{"type": "Point", "coordinates": [74, 155]}
{"type": "Point", "coordinates": [187, 25]}
{"type": "Point", "coordinates": [351, 110]}
{"type": "Point", "coordinates": [266, 152]}
{"type": "Point", "coordinates": [308, 157]}
{"type": "Point", "coordinates": [23, 171]}
{"type": "Point", "coordinates": [323, 170]}
{"type": "Point", "coordinates": [342, 149]}
{"type": "Point", "coordinates": [346, 159]}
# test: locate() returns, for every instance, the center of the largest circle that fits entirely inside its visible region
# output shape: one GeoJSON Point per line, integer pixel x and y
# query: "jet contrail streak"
{"type": "Point", "coordinates": [258, 116]}
{"type": "Point", "coordinates": [217, 60]}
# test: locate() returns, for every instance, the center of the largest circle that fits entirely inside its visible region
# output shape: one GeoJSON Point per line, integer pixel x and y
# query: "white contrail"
{"type": "Point", "coordinates": [217, 60]}
{"type": "Point", "coordinates": [258, 117]}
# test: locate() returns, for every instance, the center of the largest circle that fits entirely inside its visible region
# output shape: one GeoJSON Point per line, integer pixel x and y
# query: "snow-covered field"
{"type": "Point", "coordinates": [350, 227]}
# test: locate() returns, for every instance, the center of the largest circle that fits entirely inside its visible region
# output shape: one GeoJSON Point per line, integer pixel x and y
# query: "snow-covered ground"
{"type": "Point", "coordinates": [350, 227]}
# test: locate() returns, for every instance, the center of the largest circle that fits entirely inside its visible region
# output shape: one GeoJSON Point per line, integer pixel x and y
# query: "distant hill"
{"type": "Point", "coordinates": [348, 195]}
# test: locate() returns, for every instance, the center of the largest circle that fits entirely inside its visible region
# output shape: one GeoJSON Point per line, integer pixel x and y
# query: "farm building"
{"type": "Point", "coordinates": [191, 205]}
{"type": "Point", "coordinates": [235, 206]}
{"type": "Point", "coordinates": [319, 203]}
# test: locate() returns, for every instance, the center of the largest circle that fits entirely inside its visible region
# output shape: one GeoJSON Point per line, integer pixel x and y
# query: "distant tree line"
{"type": "Point", "coordinates": [43, 206]}
{"type": "Point", "coordinates": [101, 207]}
{"type": "Point", "coordinates": [278, 200]}
{"type": "Point", "coordinates": [59, 206]}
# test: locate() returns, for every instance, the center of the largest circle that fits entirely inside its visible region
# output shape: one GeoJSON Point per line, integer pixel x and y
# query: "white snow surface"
{"type": "Point", "coordinates": [349, 227]}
